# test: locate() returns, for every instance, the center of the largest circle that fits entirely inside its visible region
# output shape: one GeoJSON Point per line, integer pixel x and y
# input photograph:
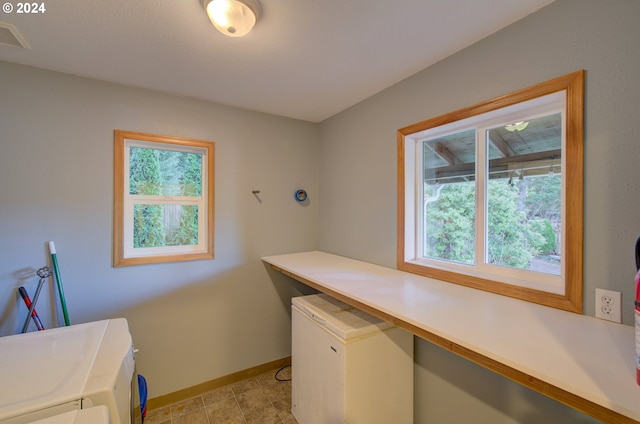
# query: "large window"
{"type": "Point", "coordinates": [491, 196]}
{"type": "Point", "coordinates": [163, 206]}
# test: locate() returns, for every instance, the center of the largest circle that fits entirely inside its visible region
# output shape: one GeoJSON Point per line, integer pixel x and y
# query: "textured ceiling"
{"type": "Point", "coordinates": [305, 59]}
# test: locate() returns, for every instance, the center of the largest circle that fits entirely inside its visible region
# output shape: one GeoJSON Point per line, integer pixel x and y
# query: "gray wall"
{"type": "Point", "coordinates": [192, 321]}
{"type": "Point", "coordinates": [358, 175]}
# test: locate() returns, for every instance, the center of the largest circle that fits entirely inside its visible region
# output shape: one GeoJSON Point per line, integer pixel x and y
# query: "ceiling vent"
{"type": "Point", "coordinates": [10, 36]}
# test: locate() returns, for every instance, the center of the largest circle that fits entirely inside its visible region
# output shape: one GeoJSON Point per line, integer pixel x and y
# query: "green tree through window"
{"type": "Point", "coordinates": [490, 195]}
{"type": "Point", "coordinates": [165, 212]}
{"type": "Point", "coordinates": [156, 172]}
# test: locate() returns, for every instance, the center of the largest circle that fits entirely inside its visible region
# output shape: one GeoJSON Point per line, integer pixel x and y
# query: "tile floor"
{"type": "Point", "coordinates": [259, 400]}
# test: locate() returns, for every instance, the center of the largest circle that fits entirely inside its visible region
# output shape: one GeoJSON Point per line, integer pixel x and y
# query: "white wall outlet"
{"type": "Point", "coordinates": [609, 305]}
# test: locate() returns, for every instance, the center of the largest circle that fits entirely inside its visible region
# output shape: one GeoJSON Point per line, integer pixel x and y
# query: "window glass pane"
{"type": "Point", "coordinates": [165, 225]}
{"type": "Point", "coordinates": [158, 172]}
{"type": "Point", "coordinates": [524, 195]}
{"type": "Point", "coordinates": [449, 197]}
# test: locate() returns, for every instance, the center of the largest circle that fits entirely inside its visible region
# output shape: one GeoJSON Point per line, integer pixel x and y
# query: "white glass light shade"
{"type": "Point", "coordinates": [517, 126]}
{"type": "Point", "coordinates": [234, 18]}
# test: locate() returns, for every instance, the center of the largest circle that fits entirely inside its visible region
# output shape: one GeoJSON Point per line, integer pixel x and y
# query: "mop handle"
{"type": "Point", "coordinates": [32, 307]}
{"type": "Point", "coordinates": [56, 270]}
{"type": "Point", "coordinates": [33, 314]}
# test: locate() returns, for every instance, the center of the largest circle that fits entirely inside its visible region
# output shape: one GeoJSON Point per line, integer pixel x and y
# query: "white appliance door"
{"type": "Point", "coordinates": [318, 361]}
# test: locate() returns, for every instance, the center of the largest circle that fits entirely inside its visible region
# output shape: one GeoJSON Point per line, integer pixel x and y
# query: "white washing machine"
{"type": "Point", "coordinates": [54, 372]}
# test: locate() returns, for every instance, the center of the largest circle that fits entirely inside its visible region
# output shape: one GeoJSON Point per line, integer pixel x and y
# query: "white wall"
{"type": "Point", "coordinates": [358, 175]}
{"type": "Point", "coordinates": [192, 321]}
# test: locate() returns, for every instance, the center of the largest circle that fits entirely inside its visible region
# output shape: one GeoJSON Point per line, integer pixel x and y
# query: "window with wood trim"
{"type": "Point", "coordinates": [163, 199]}
{"type": "Point", "coordinates": [491, 196]}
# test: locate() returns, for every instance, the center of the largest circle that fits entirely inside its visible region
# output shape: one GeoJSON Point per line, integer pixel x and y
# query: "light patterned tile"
{"type": "Point", "coordinates": [266, 377]}
{"type": "Point", "coordinates": [186, 406]}
{"type": "Point", "coordinates": [245, 385]}
{"type": "Point", "coordinates": [265, 415]}
{"type": "Point", "coordinates": [225, 411]}
{"type": "Point", "coordinates": [277, 390]}
{"type": "Point", "coordinates": [217, 395]}
{"type": "Point", "coordinates": [284, 410]}
{"type": "Point", "coordinates": [195, 417]}
{"type": "Point", "coordinates": [262, 400]}
{"type": "Point", "coordinates": [252, 400]}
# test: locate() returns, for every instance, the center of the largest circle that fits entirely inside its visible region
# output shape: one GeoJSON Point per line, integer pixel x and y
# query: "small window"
{"type": "Point", "coordinates": [163, 199]}
{"type": "Point", "coordinates": [491, 196]}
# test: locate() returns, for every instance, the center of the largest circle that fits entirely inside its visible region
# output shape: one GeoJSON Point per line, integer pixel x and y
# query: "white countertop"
{"type": "Point", "coordinates": [579, 360]}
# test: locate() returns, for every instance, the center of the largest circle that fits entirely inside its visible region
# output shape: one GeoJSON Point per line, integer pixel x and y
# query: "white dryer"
{"type": "Point", "coordinates": [52, 372]}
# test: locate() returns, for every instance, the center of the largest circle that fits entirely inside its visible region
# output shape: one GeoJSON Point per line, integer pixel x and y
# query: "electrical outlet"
{"type": "Point", "coordinates": [609, 305]}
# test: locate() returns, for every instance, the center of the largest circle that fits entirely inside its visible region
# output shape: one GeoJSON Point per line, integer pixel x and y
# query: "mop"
{"type": "Point", "coordinates": [56, 270]}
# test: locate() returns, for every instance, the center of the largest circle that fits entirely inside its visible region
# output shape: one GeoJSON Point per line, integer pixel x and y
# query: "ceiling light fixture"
{"type": "Point", "coordinates": [517, 126]}
{"type": "Point", "coordinates": [234, 18]}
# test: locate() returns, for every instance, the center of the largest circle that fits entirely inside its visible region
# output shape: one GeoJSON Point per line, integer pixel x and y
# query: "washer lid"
{"type": "Point", "coordinates": [47, 368]}
{"type": "Point", "coordinates": [95, 415]}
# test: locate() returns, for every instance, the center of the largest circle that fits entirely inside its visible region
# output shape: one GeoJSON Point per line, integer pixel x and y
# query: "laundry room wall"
{"type": "Point", "coordinates": [358, 176]}
{"type": "Point", "coordinates": [192, 321]}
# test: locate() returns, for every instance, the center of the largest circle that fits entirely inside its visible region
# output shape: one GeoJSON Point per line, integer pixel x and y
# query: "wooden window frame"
{"type": "Point", "coordinates": [571, 299]}
{"type": "Point", "coordinates": [120, 258]}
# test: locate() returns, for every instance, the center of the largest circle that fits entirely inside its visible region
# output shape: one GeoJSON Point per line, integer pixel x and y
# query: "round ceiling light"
{"type": "Point", "coordinates": [233, 18]}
